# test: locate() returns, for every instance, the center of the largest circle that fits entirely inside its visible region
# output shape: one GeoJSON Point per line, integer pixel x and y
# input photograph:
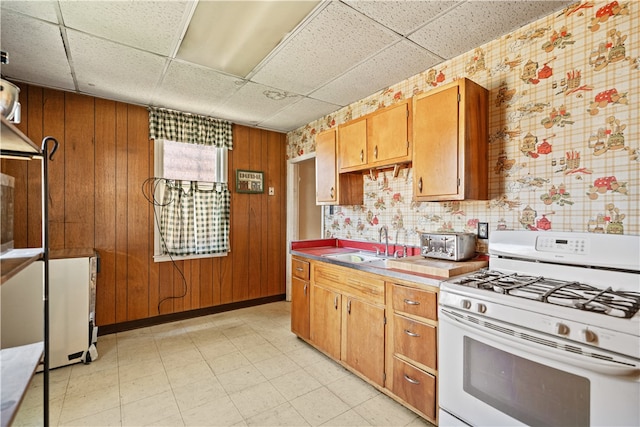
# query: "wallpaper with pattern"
{"type": "Point", "coordinates": [564, 127]}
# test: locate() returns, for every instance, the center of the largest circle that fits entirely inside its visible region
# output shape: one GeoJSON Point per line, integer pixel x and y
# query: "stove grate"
{"type": "Point", "coordinates": [576, 295]}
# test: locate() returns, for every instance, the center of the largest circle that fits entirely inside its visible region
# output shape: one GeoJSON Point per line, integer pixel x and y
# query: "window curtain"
{"type": "Point", "coordinates": [184, 127]}
{"type": "Point", "coordinates": [193, 220]}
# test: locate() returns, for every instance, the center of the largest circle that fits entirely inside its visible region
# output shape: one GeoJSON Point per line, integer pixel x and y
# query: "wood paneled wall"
{"type": "Point", "coordinates": [96, 201]}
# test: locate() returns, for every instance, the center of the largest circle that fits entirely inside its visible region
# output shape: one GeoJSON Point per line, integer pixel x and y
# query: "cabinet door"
{"type": "Point", "coordinates": [435, 145]}
{"type": "Point", "coordinates": [352, 145]}
{"type": "Point", "coordinates": [363, 347]}
{"type": "Point", "coordinates": [326, 171]}
{"type": "Point", "coordinates": [326, 318]}
{"type": "Point", "coordinates": [300, 292]}
{"type": "Point", "coordinates": [388, 135]}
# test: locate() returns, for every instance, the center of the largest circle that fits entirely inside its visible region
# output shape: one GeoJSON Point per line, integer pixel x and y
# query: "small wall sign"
{"type": "Point", "coordinates": [249, 181]}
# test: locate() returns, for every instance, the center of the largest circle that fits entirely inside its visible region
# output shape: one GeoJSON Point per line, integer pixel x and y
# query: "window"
{"type": "Point", "coordinates": [189, 188]}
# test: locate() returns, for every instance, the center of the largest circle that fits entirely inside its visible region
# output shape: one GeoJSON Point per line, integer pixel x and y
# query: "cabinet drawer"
{"type": "Point", "coordinates": [300, 268]}
{"type": "Point", "coordinates": [415, 301]}
{"type": "Point", "coordinates": [414, 340]}
{"type": "Point", "coordinates": [415, 387]}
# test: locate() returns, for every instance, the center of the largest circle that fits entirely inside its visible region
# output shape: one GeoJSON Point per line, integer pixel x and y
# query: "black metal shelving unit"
{"type": "Point", "coordinates": [19, 364]}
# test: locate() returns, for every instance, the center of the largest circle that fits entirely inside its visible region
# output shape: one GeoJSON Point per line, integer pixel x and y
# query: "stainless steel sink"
{"type": "Point", "coordinates": [360, 258]}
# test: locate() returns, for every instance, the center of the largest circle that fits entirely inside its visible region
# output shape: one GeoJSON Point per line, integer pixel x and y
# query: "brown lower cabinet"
{"type": "Point", "coordinates": [348, 318]}
{"type": "Point", "coordinates": [300, 297]}
{"type": "Point", "coordinates": [384, 331]}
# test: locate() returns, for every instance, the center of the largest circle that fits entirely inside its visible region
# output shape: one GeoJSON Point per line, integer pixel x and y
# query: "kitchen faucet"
{"type": "Point", "coordinates": [386, 239]}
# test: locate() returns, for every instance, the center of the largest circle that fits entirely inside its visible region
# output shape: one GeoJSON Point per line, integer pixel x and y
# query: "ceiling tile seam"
{"type": "Point", "coordinates": [405, 37]}
{"type": "Point", "coordinates": [302, 98]}
{"type": "Point", "coordinates": [435, 18]}
{"type": "Point", "coordinates": [66, 46]}
{"type": "Point", "coordinates": [287, 39]}
{"type": "Point", "coordinates": [377, 52]}
{"type": "Point", "coordinates": [184, 25]}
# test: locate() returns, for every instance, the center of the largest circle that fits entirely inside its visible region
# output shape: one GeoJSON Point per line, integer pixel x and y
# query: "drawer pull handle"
{"type": "Point", "coordinates": [411, 380]}
{"type": "Point", "coordinates": [335, 302]}
{"type": "Point", "coordinates": [349, 307]}
{"type": "Point", "coordinates": [411, 302]}
{"type": "Point", "coordinates": [362, 155]}
{"type": "Point", "coordinates": [299, 269]}
{"type": "Point", "coordinates": [411, 334]}
{"type": "Point", "coordinates": [305, 289]}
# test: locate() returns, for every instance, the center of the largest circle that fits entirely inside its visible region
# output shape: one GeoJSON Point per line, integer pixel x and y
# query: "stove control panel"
{"type": "Point", "coordinates": [570, 245]}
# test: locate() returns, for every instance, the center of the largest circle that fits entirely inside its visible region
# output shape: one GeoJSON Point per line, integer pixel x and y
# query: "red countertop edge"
{"type": "Point", "coordinates": [324, 244]}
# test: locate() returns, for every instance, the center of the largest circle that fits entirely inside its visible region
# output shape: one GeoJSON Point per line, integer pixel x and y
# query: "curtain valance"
{"type": "Point", "coordinates": [185, 127]}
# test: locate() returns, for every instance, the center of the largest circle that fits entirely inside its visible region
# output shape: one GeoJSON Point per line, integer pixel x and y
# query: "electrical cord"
{"type": "Point", "coordinates": [152, 184]}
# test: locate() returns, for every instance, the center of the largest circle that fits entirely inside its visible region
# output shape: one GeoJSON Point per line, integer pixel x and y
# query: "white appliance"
{"type": "Point", "coordinates": [549, 335]}
{"type": "Point", "coordinates": [72, 330]}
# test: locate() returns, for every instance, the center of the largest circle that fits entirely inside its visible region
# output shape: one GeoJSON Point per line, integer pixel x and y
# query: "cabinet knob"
{"type": "Point", "coordinates": [420, 185]}
{"type": "Point", "coordinates": [375, 152]}
{"type": "Point", "coordinates": [333, 195]}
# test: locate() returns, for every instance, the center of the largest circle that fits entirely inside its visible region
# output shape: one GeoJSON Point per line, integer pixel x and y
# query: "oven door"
{"type": "Point", "coordinates": [500, 375]}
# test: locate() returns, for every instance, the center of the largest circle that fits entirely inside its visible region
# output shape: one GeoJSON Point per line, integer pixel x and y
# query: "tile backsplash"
{"type": "Point", "coordinates": [564, 146]}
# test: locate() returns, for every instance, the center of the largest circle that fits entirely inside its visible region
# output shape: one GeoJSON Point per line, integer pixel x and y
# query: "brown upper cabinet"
{"type": "Point", "coordinates": [379, 139]}
{"type": "Point", "coordinates": [331, 188]}
{"type": "Point", "coordinates": [450, 137]}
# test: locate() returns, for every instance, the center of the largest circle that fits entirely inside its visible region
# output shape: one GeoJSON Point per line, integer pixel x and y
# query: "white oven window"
{"type": "Point", "coordinates": [528, 391]}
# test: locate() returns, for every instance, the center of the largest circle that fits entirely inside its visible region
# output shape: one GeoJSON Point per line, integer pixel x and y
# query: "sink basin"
{"type": "Point", "coordinates": [361, 258]}
{"type": "Point", "coordinates": [355, 258]}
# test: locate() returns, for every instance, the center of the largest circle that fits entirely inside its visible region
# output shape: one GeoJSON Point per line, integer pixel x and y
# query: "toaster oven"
{"type": "Point", "coordinates": [449, 246]}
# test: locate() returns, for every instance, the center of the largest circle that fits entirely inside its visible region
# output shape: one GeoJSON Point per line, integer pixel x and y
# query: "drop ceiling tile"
{"type": "Point", "coordinates": [392, 65]}
{"type": "Point", "coordinates": [401, 16]}
{"type": "Point", "coordinates": [154, 26]}
{"type": "Point", "coordinates": [193, 88]}
{"type": "Point", "coordinates": [480, 22]}
{"type": "Point", "coordinates": [113, 71]}
{"type": "Point", "coordinates": [44, 10]}
{"type": "Point", "coordinates": [254, 103]}
{"type": "Point", "coordinates": [336, 39]}
{"type": "Point", "coordinates": [36, 52]}
{"type": "Point", "coordinates": [298, 114]}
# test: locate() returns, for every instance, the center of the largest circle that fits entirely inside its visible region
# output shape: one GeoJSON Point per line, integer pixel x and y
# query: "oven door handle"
{"type": "Point", "coordinates": [575, 360]}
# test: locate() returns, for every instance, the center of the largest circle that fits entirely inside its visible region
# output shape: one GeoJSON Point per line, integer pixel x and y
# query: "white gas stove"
{"type": "Point", "coordinates": [557, 303]}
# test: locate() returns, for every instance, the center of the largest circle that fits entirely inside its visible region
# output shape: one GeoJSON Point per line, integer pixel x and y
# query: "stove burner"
{"type": "Point", "coordinates": [559, 292]}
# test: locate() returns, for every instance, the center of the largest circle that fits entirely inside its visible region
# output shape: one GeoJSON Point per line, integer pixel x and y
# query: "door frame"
{"type": "Point", "coordinates": [293, 217]}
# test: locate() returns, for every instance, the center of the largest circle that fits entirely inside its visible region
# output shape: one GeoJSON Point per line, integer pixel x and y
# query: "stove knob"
{"type": "Point", "coordinates": [562, 329]}
{"type": "Point", "coordinates": [465, 303]}
{"type": "Point", "coordinates": [589, 335]}
{"type": "Point", "coordinates": [481, 308]}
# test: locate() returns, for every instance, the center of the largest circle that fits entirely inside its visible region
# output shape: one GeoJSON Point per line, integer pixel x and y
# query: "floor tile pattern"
{"type": "Point", "coordinates": [239, 368]}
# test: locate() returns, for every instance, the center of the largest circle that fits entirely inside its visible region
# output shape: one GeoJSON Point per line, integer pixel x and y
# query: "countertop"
{"type": "Point", "coordinates": [318, 249]}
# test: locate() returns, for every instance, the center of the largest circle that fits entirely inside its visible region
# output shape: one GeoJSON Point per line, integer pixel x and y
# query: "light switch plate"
{"type": "Point", "coordinates": [483, 230]}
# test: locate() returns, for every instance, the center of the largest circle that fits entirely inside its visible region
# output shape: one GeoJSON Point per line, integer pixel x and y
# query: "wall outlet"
{"type": "Point", "coordinates": [272, 191]}
{"type": "Point", "coordinates": [483, 230]}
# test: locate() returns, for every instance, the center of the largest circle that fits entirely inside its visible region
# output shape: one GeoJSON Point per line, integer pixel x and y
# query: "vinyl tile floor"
{"type": "Point", "coordinates": [238, 368]}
